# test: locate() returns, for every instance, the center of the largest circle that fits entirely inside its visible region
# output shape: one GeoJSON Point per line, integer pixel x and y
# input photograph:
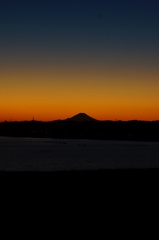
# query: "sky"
{"type": "Point", "coordinates": [62, 57]}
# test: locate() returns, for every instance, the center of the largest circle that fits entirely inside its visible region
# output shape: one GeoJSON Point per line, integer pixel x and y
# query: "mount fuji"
{"type": "Point", "coordinates": [81, 117]}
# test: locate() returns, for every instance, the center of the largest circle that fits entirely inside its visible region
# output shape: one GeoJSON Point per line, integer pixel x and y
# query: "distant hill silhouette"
{"type": "Point", "coordinates": [82, 126]}
{"type": "Point", "coordinates": [81, 117]}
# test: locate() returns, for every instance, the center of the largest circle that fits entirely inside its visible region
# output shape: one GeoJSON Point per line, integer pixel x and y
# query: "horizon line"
{"type": "Point", "coordinates": [77, 115]}
{"type": "Point", "coordinates": [97, 120]}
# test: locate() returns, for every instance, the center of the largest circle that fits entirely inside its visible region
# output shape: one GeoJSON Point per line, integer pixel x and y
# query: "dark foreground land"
{"type": "Point", "coordinates": [101, 130]}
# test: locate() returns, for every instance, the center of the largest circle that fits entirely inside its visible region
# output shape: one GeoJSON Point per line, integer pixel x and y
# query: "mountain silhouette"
{"type": "Point", "coordinates": [81, 117]}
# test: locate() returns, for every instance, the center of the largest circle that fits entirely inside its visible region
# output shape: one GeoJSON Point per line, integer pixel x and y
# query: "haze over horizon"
{"type": "Point", "coordinates": [59, 58]}
{"type": "Point", "coordinates": [79, 117]}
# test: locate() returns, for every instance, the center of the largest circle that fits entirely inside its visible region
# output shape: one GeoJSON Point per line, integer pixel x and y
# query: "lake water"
{"type": "Point", "coordinates": [30, 154]}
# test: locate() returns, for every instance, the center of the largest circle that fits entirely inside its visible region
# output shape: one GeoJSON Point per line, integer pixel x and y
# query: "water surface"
{"type": "Point", "coordinates": [32, 154]}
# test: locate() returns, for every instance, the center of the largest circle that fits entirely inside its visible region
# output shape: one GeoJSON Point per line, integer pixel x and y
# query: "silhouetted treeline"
{"type": "Point", "coordinates": [108, 130]}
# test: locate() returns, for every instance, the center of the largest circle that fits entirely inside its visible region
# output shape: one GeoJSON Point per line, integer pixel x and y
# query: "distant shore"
{"type": "Point", "coordinates": [102, 130]}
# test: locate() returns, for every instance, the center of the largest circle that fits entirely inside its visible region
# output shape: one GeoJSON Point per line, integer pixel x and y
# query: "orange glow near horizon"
{"type": "Point", "coordinates": [58, 92]}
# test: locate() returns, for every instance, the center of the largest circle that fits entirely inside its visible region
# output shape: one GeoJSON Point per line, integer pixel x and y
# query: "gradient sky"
{"type": "Point", "coordinates": [62, 57]}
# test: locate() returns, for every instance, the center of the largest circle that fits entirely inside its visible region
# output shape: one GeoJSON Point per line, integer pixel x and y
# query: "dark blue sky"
{"type": "Point", "coordinates": [104, 27]}
{"type": "Point", "coordinates": [60, 57]}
